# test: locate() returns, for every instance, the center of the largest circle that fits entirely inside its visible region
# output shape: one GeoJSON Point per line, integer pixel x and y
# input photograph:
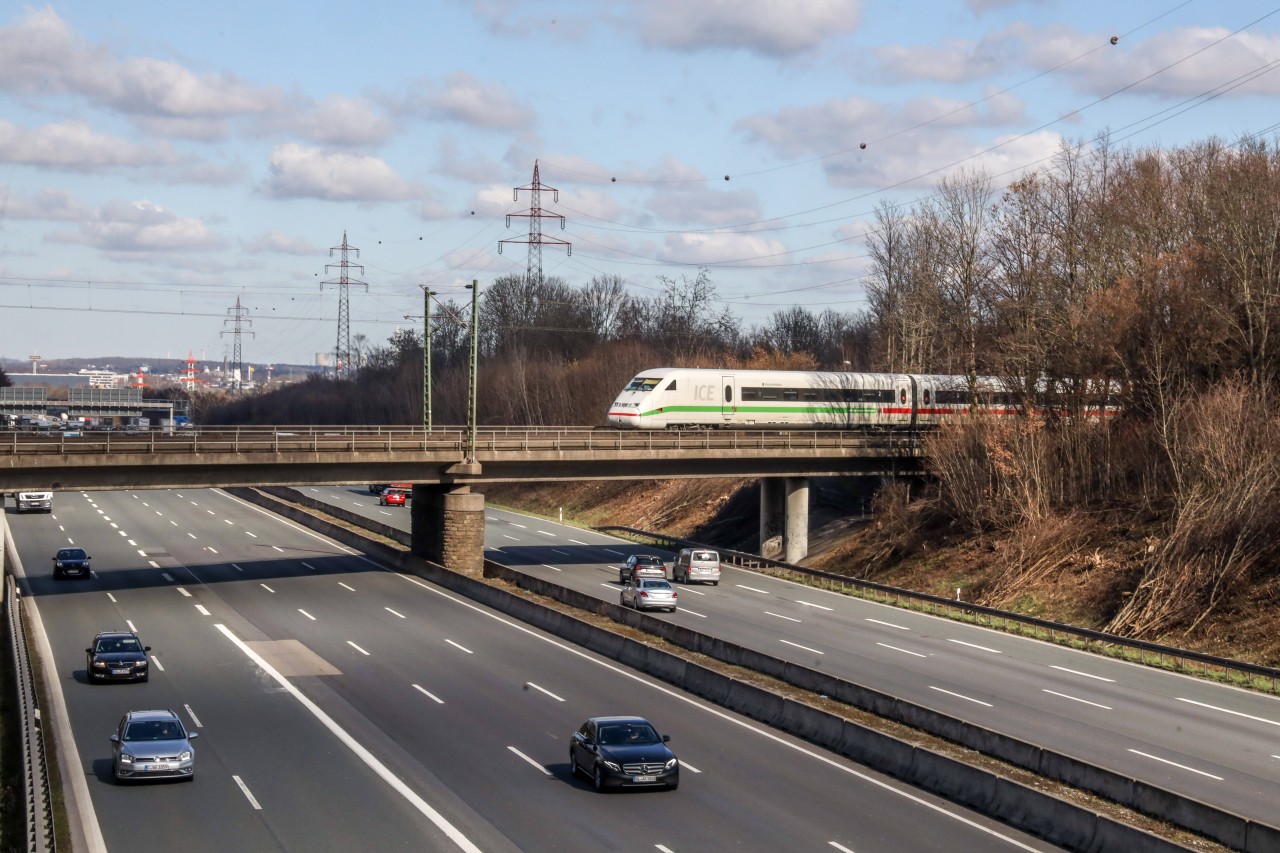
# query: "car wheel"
{"type": "Point", "coordinates": [715, 583]}
{"type": "Point", "coordinates": [599, 780]}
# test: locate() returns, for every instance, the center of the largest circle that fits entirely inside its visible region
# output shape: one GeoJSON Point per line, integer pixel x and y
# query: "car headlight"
{"type": "Point", "coordinates": [672, 763]}
{"type": "Point", "coordinates": [126, 758]}
{"type": "Point", "coordinates": [142, 664]}
{"type": "Point", "coordinates": [612, 766]}
{"type": "Point", "coordinates": [99, 664]}
{"type": "Point", "coordinates": [185, 755]}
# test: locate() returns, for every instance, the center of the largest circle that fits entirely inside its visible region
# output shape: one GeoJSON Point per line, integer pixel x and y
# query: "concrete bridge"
{"type": "Point", "coordinates": [443, 465]}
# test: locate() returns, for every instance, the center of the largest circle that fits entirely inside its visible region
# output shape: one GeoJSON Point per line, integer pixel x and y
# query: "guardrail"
{"type": "Point", "coordinates": [1235, 671]}
{"type": "Point", "coordinates": [36, 794]}
{"type": "Point", "coordinates": [312, 439]}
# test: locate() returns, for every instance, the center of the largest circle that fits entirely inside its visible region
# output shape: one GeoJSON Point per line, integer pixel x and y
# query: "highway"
{"type": "Point", "coordinates": [341, 706]}
{"type": "Point", "coordinates": [1212, 742]}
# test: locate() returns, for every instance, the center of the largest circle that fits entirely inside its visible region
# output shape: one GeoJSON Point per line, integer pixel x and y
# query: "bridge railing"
{"type": "Point", "coordinates": [443, 440]}
{"type": "Point", "coordinates": [37, 795]}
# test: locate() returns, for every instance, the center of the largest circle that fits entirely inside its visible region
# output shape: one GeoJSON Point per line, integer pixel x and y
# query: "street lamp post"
{"type": "Point", "coordinates": [474, 287]}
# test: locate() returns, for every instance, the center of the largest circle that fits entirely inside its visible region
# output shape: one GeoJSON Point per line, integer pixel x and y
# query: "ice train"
{"type": "Point", "coordinates": [690, 398]}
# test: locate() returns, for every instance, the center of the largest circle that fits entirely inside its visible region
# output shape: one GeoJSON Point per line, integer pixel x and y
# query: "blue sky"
{"type": "Point", "coordinates": [161, 160]}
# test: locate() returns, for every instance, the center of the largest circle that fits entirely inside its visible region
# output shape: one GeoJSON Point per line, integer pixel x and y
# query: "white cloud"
{"type": "Point", "coordinates": [712, 249]}
{"type": "Point", "coordinates": [950, 61]}
{"type": "Point", "coordinates": [708, 206]}
{"type": "Point", "coordinates": [141, 226]}
{"type": "Point", "coordinates": [337, 120]}
{"type": "Point", "coordinates": [49, 204]}
{"type": "Point", "coordinates": [301, 172]}
{"type": "Point", "coordinates": [465, 98]}
{"type": "Point", "coordinates": [280, 243]}
{"type": "Point", "coordinates": [72, 146]}
{"type": "Point", "coordinates": [767, 27]}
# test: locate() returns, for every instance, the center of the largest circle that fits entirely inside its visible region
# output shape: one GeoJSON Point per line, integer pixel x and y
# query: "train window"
{"type": "Point", "coordinates": [641, 383]}
{"type": "Point", "coordinates": [728, 393]}
{"type": "Point", "coordinates": [811, 395]}
{"type": "Point", "coordinates": [790, 394]}
{"type": "Point", "coordinates": [749, 394]}
{"type": "Point", "coordinates": [670, 387]}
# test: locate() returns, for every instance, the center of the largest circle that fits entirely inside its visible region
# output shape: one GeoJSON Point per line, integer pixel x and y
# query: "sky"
{"type": "Point", "coordinates": [168, 167]}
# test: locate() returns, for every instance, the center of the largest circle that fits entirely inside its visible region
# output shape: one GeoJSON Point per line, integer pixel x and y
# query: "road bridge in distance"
{"type": "Point", "coordinates": [445, 463]}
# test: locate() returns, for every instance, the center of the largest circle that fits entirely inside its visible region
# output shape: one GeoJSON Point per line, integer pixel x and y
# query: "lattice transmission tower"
{"type": "Point", "coordinates": [535, 215]}
{"type": "Point", "coordinates": [342, 351]}
{"type": "Point", "coordinates": [239, 317]}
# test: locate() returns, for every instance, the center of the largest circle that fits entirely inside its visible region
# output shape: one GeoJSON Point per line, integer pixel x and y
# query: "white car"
{"type": "Point", "coordinates": [649, 594]}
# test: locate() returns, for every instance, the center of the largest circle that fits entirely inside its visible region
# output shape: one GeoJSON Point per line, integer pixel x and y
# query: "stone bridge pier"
{"type": "Point", "coordinates": [784, 510]}
{"type": "Point", "coordinates": [447, 526]}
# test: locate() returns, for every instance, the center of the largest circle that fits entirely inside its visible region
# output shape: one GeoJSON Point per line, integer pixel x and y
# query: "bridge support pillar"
{"type": "Point", "coordinates": [771, 517]}
{"type": "Point", "coordinates": [447, 527]}
{"type": "Point", "coordinates": [795, 535]}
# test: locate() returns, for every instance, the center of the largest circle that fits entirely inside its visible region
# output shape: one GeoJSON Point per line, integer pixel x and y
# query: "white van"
{"type": "Point", "coordinates": [35, 501]}
{"type": "Point", "coordinates": [696, 564]}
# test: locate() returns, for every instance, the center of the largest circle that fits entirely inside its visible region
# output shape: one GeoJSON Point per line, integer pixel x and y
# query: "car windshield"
{"type": "Point", "coordinates": [118, 644]}
{"type": "Point", "coordinates": [628, 734]}
{"type": "Point", "coordinates": [153, 730]}
{"type": "Point", "coordinates": [71, 554]}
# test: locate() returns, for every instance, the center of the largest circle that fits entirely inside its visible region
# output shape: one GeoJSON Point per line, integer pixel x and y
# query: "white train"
{"type": "Point", "coordinates": [684, 398]}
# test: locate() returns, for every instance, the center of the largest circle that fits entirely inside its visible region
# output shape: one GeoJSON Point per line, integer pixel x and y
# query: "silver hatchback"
{"type": "Point", "coordinates": [649, 594]}
{"type": "Point", "coordinates": [152, 745]}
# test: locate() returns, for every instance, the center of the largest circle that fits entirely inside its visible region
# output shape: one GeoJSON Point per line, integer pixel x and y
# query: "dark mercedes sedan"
{"type": "Point", "coordinates": [623, 752]}
{"type": "Point", "coordinates": [117, 656]}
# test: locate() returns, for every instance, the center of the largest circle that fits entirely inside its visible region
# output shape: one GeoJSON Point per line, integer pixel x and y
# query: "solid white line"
{"type": "Point", "coordinates": [780, 616]}
{"type": "Point", "coordinates": [1175, 764]}
{"type": "Point", "coordinates": [544, 770]}
{"type": "Point", "coordinates": [961, 696]}
{"type": "Point", "coordinates": [904, 651]}
{"type": "Point", "coordinates": [393, 613]}
{"type": "Point", "coordinates": [193, 716]}
{"type": "Point", "coordinates": [798, 646]}
{"type": "Point", "coordinates": [155, 660]}
{"type": "Point", "coordinates": [129, 622]}
{"type": "Point", "coordinates": [1075, 699]}
{"type": "Point", "coordinates": [706, 708]}
{"type": "Point", "coordinates": [1229, 711]}
{"type": "Point", "coordinates": [552, 568]}
{"type": "Point", "coordinates": [369, 759]}
{"type": "Point", "coordinates": [818, 606]}
{"type": "Point", "coordinates": [343, 585]}
{"type": "Point", "coordinates": [267, 588]}
{"type": "Point", "coordinates": [357, 648]}
{"type": "Point", "coordinates": [1275, 756]}
{"type": "Point", "coordinates": [202, 610]}
{"type": "Point", "coordinates": [753, 589]}
{"type": "Point", "coordinates": [306, 614]}
{"type": "Point", "coordinates": [183, 592]}
{"type": "Point", "coordinates": [1085, 674]}
{"type": "Point", "coordinates": [428, 694]}
{"type": "Point", "coordinates": [976, 646]}
{"type": "Point", "coordinates": [686, 766]}
{"type": "Point", "coordinates": [464, 648]}
{"type": "Point", "coordinates": [544, 690]}
{"type": "Point", "coordinates": [245, 790]}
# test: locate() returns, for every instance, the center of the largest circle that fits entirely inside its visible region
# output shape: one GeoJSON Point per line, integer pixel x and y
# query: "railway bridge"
{"type": "Point", "coordinates": [445, 463]}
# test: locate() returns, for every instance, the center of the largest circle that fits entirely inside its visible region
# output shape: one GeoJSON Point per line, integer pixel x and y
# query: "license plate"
{"type": "Point", "coordinates": [644, 778]}
{"type": "Point", "coordinates": [149, 767]}
{"type": "Point", "coordinates": [119, 672]}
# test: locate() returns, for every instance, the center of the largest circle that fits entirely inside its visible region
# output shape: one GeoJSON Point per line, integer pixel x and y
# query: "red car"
{"type": "Point", "coordinates": [392, 497]}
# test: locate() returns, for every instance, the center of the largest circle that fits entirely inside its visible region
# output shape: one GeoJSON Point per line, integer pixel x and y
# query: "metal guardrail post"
{"type": "Point", "coordinates": [39, 803]}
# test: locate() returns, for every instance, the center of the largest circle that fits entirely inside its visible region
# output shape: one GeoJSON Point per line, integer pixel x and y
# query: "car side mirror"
{"type": "Point", "coordinates": [666, 738]}
{"type": "Point", "coordinates": [192, 735]}
{"type": "Point", "coordinates": [88, 651]}
{"type": "Point", "coordinates": [146, 648]}
{"type": "Point", "coordinates": [115, 738]}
